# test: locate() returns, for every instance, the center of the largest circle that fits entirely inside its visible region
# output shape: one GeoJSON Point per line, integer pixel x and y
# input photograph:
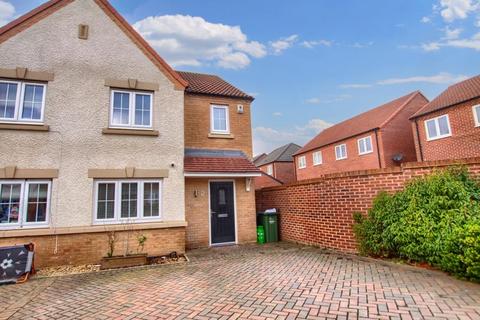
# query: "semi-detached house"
{"type": "Point", "coordinates": [379, 138]}
{"type": "Point", "coordinates": [99, 134]}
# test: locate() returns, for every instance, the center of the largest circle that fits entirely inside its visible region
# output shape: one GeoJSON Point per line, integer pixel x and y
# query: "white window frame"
{"type": "Point", "coordinates": [227, 119]}
{"type": "Point", "coordinates": [363, 141]}
{"type": "Point", "coordinates": [340, 147]}
{"type": "Point", "coordinates": [17, 117]}
{"type": "Point", "coordinates": [476, 117]}
{"type": "Point", "coordinates": [302, 162]}
{"type": "Point", "coordinates": [23, 206]}
{"type": "Point", "coordinates": [270, 169]}
{"type": "Point", "coordinates": [317, 158]}
{"type": "Point", "coordinates": [437, 127]}
{"type": "Point", "coordinates": [117, 219]}
{"type": "Point", "coordinates": [131, 109]}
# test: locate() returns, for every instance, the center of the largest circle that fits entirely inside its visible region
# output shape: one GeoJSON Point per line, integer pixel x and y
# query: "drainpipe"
{"type": "Point", "coordinates": [378, 149]}
{"type": "Point", "coordinates": [419, 142]}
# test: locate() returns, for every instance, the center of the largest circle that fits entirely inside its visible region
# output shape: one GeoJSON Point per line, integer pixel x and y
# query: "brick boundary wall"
{"type": "Point", "coordinates": [320, 212]}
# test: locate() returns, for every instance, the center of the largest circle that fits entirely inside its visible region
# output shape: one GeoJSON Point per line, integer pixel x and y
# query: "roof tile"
{"type": "Point", "coordinates": [225, 161]}
{"type": "Point", "coordinates": [457, 93]}
{"type": "Point", "coordinates": [211, 84]}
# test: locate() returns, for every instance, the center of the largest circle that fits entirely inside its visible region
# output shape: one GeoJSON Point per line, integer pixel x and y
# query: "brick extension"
{"type": "Point", "coordinates": [319, 212]}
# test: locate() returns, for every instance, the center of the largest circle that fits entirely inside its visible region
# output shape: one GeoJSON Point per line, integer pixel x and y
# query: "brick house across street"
{"type": "Point", "coordinates": [449, 126]}
{"type": "Point", "coordinates": [277, 167]}
{"type": "Point", "coordinates": [379, 138]}
{"type": "Point", "coordinates": [100, 134]}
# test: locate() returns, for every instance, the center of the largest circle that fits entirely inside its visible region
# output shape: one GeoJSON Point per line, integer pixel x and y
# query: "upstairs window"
{"type": "Point", "coordinates": [22, 101]}
{"type": "Point", "coordinates": [317, 158]}
{"type": "Point", "coordinates": [24, 203]}
{"type": "Point", "coordinates": [270, 170]}
{"type": "Point", "coordinates": [438, 128]}
{"type": "Point", "coordinates": [476, 115]}
{"type": "Point", "coordinates": [365, 145]}
{"type": "Point", "coordinates": [302, 162]}
{"type": "Point", "coordinates": [118, 201]}
{"type": "Point", "coordinates": [341, 152]}
{"type": "Point", "coordinates": [219, 119]}
{"type": "Point", "coordinates": [131, 109]}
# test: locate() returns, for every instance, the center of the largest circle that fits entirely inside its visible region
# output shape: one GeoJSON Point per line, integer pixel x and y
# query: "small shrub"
{"type": "Point", "coordinates": [435, 219]}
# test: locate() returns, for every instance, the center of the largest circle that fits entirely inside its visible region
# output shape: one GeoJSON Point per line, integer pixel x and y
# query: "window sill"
{"type": "Point", "coordinates": [220, 136]}
{"type": "Point", "coordinates": [439, 138]}
{"type": "Point", "coordinates": [24, 127]}
{"type": "Point", "coordinates": [131, 132]}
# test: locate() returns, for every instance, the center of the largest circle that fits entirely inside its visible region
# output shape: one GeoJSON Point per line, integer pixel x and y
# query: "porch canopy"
{"type": "Point", "coordinates": [218, 163]}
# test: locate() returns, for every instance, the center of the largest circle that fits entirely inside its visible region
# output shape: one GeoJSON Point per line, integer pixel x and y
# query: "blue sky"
{"type": "Point", "coordinates": [310, 63]}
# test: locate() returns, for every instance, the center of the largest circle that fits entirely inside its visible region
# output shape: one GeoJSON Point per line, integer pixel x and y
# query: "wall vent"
{"type": "Point", "coordinates": [83, 31]}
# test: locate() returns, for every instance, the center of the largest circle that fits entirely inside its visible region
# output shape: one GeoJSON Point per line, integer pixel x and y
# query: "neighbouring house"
{"type": "Point", "coordinates": [449, 126]}
{"type": "Point", "coordinates": [100, 134]}
{"type": "Point", "coordinates": [277, 167]}
{"type": "Point", "coordinates": [258, 158]}
{"type": "Point", "coordinates": [379, 138]}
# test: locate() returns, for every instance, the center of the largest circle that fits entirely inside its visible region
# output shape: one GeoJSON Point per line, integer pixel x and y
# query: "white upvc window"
{"type": "Point", "coordinates": [219, 119]}
{"type": "Point", "coordinates": [302, 162]}
{"type": "Point", "coordinates": [270, 169]}
{"type": "Point", "coordinates": [476, 115]}
{"type": "Point", "coordinates": [119, 201]}
{"type": "Point", "coordinates": [24, 203]}
{"type": "Point", "coordinates": [438, 128]}
{"type": "Point", "coordinates": [341, 152]}
{"type": "Point", "coordinates": [317, 158]}
{"type": "Point", "coordinates": [365, 145]}
{"type": "Point", "coordinates": [131, 109]}
{"type": "Point", "coordinates": [22, 102]}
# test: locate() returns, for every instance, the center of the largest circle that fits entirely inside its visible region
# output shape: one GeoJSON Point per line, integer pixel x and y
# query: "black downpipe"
{"type": "Point", "coordinates": [378, 149]}
{"type": "Point", "coordinates": [419, 142]}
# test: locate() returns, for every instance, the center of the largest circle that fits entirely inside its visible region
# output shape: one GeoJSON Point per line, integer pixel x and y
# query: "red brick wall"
{"type": "Point", "coordinates": [465, 139]}
{"type": "Point", "coordinates": [331, 165]}
{"type": "Point", "coordinates": [397, 136]}
{"type": "Point", "coordinates": [319, 212]}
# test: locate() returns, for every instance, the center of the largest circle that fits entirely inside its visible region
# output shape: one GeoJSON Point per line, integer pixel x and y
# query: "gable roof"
{"type": "Point", "coordinates": [27, 20]}
{"type": "Point", "coordinates": [373, 119]}
{"type": "Point", "coordinates": [455, 94]}
{"type": "Point", "coordinates": [212, 85]}
{"type": "Point", "coordinates": [282, 154]}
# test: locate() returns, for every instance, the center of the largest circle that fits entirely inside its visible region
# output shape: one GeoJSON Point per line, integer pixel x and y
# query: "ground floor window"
{"type": "Point", "coordinates": [127, 200]}
{"type": "Point", "coordinates": [24, 203]}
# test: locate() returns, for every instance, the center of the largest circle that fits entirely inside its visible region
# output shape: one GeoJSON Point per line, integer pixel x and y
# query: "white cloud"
{"type": "Point", "coordinates": [313, 101]}
{"type": "Point", "coordinates": [283, 44]}
{"type": "Point", "coordinates": [355, 86]}
{"type": "Point", "coordinates": [266, 139]}
{"type": "Point", "coordinates": [452, 33]}
{"type": "Point", "coordinates": [193, 41]}
{"type": "Point", "coordinates": [328, 100]}
{"type": "Point", "coordinates": [425, 20]}
{"type": "Point", "coordinates": [277, 114]}
{"type": "Point", "coordinates": [360, 45]}
{"type": "Point", "coordinates": [7, 11]}
{"type": "Point", "coordinates": [456, 9]}
{"type": "Point", "coordinates": [467, 43]}
{"type": "Point", "coordinates": [314, 43]}
{"type": "Point", "coordinates": [441, 78]}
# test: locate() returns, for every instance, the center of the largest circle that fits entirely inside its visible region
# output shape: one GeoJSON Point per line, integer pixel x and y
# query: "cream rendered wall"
{"type": "Point", "coordinates": [77, 108]}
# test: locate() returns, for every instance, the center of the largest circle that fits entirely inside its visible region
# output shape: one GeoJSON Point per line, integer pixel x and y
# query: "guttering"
{"type": "Point", "coordinates": [221, 174]}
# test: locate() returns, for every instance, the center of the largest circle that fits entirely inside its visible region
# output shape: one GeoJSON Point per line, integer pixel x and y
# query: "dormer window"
{"type": "Point", "coordinates": [131, 109]}
{"type": "Point", "coordinates": [220, 123]}
{"type": "Point", "coordinates": [22, 102]}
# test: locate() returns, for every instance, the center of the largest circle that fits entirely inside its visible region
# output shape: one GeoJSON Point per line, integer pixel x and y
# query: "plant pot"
{"type": "Point", "coordinates": [123, 261]}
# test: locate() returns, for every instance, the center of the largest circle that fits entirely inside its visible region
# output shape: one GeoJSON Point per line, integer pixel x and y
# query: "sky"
{"type": "Point", "coordinates": [309, 63]}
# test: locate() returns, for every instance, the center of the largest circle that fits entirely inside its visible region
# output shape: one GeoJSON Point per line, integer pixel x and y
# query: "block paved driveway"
{"type": "Point", "coordinates": [272, 282]}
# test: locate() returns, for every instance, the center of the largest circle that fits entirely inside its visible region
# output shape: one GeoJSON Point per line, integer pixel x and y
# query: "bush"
{"type": "Point", "coordinates": [435, 219]}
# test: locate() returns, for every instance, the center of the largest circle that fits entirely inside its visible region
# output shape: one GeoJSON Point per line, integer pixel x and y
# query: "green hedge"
{"type": "Point", "coordinates": [435, 219]}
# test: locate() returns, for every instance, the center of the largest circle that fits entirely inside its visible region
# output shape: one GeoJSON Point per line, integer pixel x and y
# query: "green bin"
{"type": "Point", "coordinates": [269, 221]}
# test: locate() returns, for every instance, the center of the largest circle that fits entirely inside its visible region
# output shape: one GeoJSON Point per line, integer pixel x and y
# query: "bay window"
{"type": "Point", "coordinates": [24, 203]}
{"type": "Point", "coordinates": [127, 200]}
{"type": "Point", "coordinates": [22, 101]}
